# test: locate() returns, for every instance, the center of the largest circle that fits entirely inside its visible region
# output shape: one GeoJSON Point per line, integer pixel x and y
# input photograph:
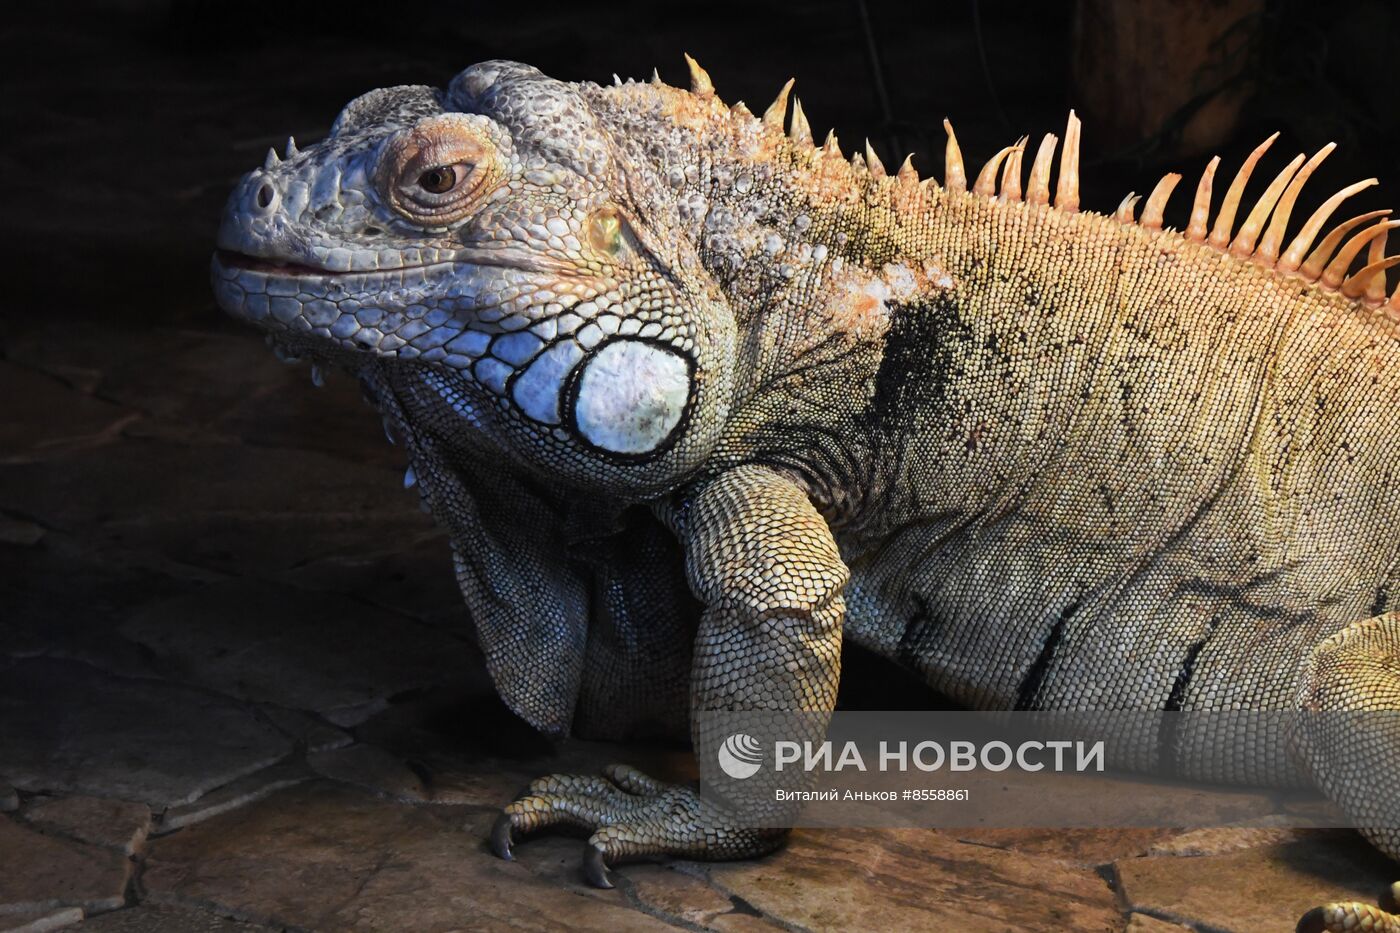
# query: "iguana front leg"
{"type": "Point", "coordinates": [764, 563]}
{"type": "Point", "coordinates": [1348, 737]}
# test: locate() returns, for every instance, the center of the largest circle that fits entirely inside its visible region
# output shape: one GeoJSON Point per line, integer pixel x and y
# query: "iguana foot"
{"type": "Point", "coordinates": [629, 815]}
{"type": "Point", "coordinates": [1354, 916]}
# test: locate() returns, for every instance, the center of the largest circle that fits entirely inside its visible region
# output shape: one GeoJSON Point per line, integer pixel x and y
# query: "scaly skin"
{"type": "Point", "coordinates": [641, 345]}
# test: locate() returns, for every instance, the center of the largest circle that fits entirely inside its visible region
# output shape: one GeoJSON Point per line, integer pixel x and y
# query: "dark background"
{"type": "Point", "coordinates": [125, 123]}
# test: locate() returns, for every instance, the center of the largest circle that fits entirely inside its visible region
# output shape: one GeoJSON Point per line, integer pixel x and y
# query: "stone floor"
{"type": "Point", "coordinates": [237, 688]}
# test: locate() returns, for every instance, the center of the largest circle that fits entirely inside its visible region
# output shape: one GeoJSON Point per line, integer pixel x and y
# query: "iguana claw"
{"type": "Point", "coordinates": [501, 837]}
{"type": "Point", "coordinates": [595, 867]}
{"type": "Point", "coordinates": [628, 815]}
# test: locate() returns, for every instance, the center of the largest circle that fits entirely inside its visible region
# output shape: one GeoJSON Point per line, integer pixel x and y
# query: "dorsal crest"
{"type": "Point", "coordinates": [1260, 238]}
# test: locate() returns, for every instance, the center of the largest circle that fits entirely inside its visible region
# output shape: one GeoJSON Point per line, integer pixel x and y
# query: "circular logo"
{"type": "Point", "coordinates": [740, 756]}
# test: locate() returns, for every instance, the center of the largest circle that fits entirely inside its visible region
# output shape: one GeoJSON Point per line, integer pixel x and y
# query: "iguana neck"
{"type": "Point", "coordinates": [835, 269]}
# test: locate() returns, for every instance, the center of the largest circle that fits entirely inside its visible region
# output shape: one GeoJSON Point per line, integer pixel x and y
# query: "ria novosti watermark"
{"type": "Point", "coordinates": [1079, 769]}
{"type": "Point", "coordinates": [741, 756]}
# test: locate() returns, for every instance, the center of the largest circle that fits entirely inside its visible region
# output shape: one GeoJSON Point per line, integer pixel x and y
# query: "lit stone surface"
{"type": "Point", "coordinates": [238, 793]}
{"type": "Point", "coordinates": [167, 919]}
{"type": "Point", "coordinates": [321, 857]}
{"type": "Point", "coordinates": [40, 872]}
{"type": "Point", "coordinates": [1265, 887]}
{"type": "Point", "coordinates": [153, 742]}
{"type": "Point", "coordinates": [238, 638]}
{"type": "Point", "coordinates": [40, 921]}
{"type": "Point", "coordinates": [824, 881]}
{"type": "Point", "coordinates": [101, 821]}
{"type": "Point", "coordinates": [54, 417]}
{"type": "Point", "coordinates": [1143, 923]}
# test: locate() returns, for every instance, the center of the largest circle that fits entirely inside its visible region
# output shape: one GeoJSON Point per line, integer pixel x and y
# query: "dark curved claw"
{"type": "Point", "coordinates": [1314, 921]}
{"type": "Point", "coordinates": [595, 868]}
{"type": "Point", "coordinates": [501, 837]}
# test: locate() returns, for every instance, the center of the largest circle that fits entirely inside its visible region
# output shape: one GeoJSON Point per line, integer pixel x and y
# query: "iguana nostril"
{"type": "Point", "coordinates": [266, 195]}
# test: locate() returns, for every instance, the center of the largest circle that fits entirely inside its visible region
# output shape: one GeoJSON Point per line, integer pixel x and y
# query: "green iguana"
{"type": "Point", "coordinates": [695, 397]}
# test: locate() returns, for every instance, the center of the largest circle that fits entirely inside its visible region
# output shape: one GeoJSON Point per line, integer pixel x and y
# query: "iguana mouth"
{"type": "Point", "coordinates": [245, 262]}
{"type": "Point", "coordinates": [232, 259]}
{"type": "Point", "coordinates": [466, 256]}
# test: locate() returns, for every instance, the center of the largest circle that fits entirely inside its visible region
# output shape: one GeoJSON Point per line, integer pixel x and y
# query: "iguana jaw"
{"type": "Point", "coordinates": [229, 259]}
{"type": "Point", "coordinates": [336, 316]}
{"type": "Point", "coordinates": [277, 267]}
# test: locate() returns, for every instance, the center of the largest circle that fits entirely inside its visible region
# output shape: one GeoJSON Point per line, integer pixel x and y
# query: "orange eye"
{"type": "Point", "coordinates": [438, 180]}
{"type": "Point", "coordinates": [440, 170]}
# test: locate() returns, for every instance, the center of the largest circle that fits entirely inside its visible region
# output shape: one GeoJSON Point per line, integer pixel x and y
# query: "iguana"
{"type": "Point", "coordinates": [694, 398]}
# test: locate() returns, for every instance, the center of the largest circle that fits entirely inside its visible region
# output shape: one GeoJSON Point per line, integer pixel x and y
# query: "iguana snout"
{"type": "Point", "coordinates": [485, 232]}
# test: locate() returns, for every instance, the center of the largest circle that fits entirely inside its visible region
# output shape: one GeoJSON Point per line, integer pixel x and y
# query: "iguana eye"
{"type": "Point", "coordinates": [438, 171]}
{"type": "Point", "coordinates": [438, 180]}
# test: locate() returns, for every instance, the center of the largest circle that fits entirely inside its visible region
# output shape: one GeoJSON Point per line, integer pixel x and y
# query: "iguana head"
{"type": "Point", "coordinates": [481, 244]}
{"type": "Point", "coordinates": [492, 262]}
